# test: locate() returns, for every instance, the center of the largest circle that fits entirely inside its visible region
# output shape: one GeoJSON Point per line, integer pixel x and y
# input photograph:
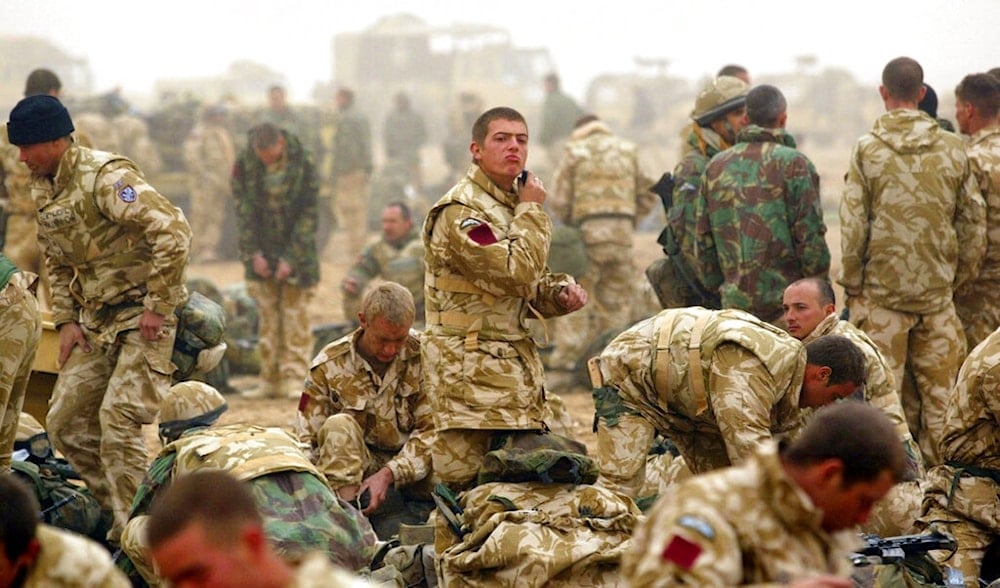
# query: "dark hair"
{"type": "Point", "coordinates": [995, 72]}
{"type": "Point", "coordinates": [264, 135]}
{"type": "Point", "coordinates": [404, 210]}
{"type": "Point", "coordinates": [824, 291]}
{"type": "Point", "coordinates": [482, 124]}
{"type": "Point", "coordinates": [731, 69]}
{"type": "Point", "coordinates": [19, 514]}
{"type": "Point", "coordinates": [982, 90]}
{"type": "Point", "coordinates": [585, 119]}
{"type": "Point", "coordinates": [857, 434]}
{"type": "Point", "coordinates": [845, 360]}
{"type": "Point", "coordinates": [42, 81]}
{"type": "Point", "coordinates": [553, 79]}
{"type": "Point", "coordinates": [903, 78]}
{"type": "Point", "coordinates": [214, 498]}
{"type": "Point", "coordinates": [929, 103]}
{"type": "Point", "coordinates": [765, 104]}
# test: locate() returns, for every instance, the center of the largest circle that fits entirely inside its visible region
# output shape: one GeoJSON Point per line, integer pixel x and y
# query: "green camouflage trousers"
{"type": "Point", "coordinates": [610, 282]}
{"type": "Point", "coordinates": [932, 347]}
{"type": "Point", "coordinates": [285, 339]}
{"type": "Point", "coordinates": [978, 307]}
{"type": "Point", "coordinates": [350, 203]}
{"type": "Point", "coordinates": [100, 402]}
{"type": "Point", "coordinates": [20, 331]}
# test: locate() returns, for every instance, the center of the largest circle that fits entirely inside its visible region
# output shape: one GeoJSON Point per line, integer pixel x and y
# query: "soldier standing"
{"type": "Point", "coordinates": [209, 155]}
{"type": "Point", "coordinates": [116, 252]}
{"type": "Point", "coordinates": [276, 189]}
{"type": "Point", "coordinates": [365, 414]}
{"type": "Point", "coordinates": [301, 514]}
{"type": "Point", "coordinates": [485, 248]}
{"type": "Point", "coordinates": [785, 516]}
{"type": "Point", "coordinates": [977, 104]}
{"type": "Point", "coordinates": [403, 134]}
{"type": "Point", "coordinates": [352, 168]}
{"type": "Point", "coordinates": [935, 221]}
{"type": "Point", "coordinates": [559, 115]}
{"type": "Point", "coordinates": [759, 221]}
{"type": "Point", "coordinates": [601, 190]}
{"type": "Point", "coordinates": [397, 256]}
{"type": "Point", "coordinates": [665, 373]}
{"type": "Point", "coordinates": [719, 113]}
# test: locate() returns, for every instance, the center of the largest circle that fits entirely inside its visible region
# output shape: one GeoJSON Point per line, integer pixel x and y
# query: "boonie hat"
{"type": "Point", "coordinates": [38, 119]}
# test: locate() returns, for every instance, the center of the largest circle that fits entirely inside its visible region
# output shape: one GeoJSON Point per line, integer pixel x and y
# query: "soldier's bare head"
{"type": "Point", "coordinates": [585, 120]}
{"type": "Point", "coordinates": [19, 514]}
{"type": "Point", "coordinates": [500, 145]}
{"type": "Point", "coordinates": [903, 80]}
{"type": "Point", "coordinates": [397, 221]}
{"type": "Point", "coordinates": [276, 97]}
{"type": "Point", "coordinates": [386, 315]}
{"type": "Point", "coordinates": [766, 107]}
{"type": "Point", "coordinates": [835, 369]}
{"type": "Point", "coordinates": [481, 127]}
{"type": "Point", "coordinates": [267, 142]}
{"type": "Point", "coordinates": [42, 81]}
{"type": "Point", "coordinates": [846, 458]}
{"type": "Point", "coordinates": [806, 303]}
{"type": "Point", "coordinates": [734, 70]}
{"type": "Point", "coordinates": [205, 529]}
{"type": "Point", "coordinates": [977, 102]}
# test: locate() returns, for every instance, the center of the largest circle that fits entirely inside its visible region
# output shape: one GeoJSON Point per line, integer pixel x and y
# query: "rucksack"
{"type": "Point", "coordinates": [64, 504]}
{"type": "Point", "coordinates": [200, 342]}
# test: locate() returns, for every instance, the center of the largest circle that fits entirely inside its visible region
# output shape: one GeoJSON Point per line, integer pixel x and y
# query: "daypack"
{"type": "Point", "coordinates": [63, 503]}
{"type": "Point", "coordinates": [538, 457]}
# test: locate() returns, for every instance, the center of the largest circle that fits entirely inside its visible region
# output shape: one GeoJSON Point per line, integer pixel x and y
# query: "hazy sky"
{"type": "Point", "coordinates": [132, 43]}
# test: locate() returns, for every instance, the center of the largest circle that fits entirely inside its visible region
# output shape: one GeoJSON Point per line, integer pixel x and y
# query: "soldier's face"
{"type": "Point", "coordinates": [269, 155]}
{"type": "Point", "coordinates": [394, 226]}
{"type": "Point", "coordinates": [846, 506]}
{"type": "Point", "coordinates": [963, 116]}
{"type": "Point", "coordinates": [43, 158]}
{"type": "Point", "coordinates": [381, 339]}
{"type": "Point", "coordinates": [504, 151]}
{"type": "Point", "coordinates": [818, 391]}
{"type": "Point", "coordinates": [803, 310]}
{"type": "Point", "coordinates": [193, 559]}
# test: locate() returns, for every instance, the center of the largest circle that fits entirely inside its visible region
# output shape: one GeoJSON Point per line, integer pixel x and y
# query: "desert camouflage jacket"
{"type": "Point", "coordinates": [759, 223]}
{"type": "Point", "coordinates": [984, 157]}
{"type": "Point", "coordinates": [598, 178]}
{"type": "Point", "coordinates": [109, 238]}
{"type": "Point", "coordinates": [746, 525]}
{"type": "Point", "coordinates": [285, 227]}
{"type": "Point", "coordinates": [912, 220]}
{"type": "Point", "coordinates": [485, 254]}
{"type": "Point", "coordinates": [68, 560]}
{"type": "Point", "coordinates": [649, 365]}
{"type": "Point", "coordinates": [209, 155]}
{"type": "Point", "coordinates": [392, 410]}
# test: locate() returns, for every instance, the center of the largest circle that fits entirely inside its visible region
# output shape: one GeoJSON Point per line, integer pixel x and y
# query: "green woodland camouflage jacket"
{"type": "Point", "coordinates": [285, 229]}
{"type": "Point", "coordinates": [759, 222]}
{"type": "Point", "coordinates": [912, 220]}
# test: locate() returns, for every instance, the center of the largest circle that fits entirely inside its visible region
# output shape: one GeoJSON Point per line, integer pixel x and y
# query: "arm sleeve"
{"type": "Point", "coordinates": [970, 228]}
{"type": "Point", "coordinates": [808, 228]}
{"type": "Point", "coordinates": [855, 208]}
{"type": "Point", "coordinates": [742, 393]}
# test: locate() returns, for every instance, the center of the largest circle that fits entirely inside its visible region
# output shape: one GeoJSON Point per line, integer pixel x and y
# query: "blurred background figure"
{"type": "Point", "coordinates": [209, 155]}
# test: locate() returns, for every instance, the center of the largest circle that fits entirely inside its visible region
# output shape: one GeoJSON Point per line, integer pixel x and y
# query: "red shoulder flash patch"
{"type": "Point", "coordinates": [303, 402]}
{"type": "Point", "coordinates": [681, 552]}
{"type": "Point", "coordinates": [483, 235]}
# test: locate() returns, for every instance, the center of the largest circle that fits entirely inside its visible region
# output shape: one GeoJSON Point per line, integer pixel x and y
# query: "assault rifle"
{"type": "Point", "coordinates": [909, 554]}
{"type": "Point", "coordinates": [893, 549]}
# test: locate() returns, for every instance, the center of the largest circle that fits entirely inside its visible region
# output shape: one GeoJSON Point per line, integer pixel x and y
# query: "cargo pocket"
{"type": "Point", "coordinates": [497, 376]}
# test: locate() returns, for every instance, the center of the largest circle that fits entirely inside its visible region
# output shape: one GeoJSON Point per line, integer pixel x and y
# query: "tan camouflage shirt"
{"type": "Point", "coordinates": [912, 220]}
{"type": "Point", "coordinates": [599, 179]}
{"type": "Point", "coordinates": [392, 410]}
{"type": "Point", "coordinates": [109, 238]}
{"type": "Point", "coordinates": [245, 451]}
{"type": "Point", "coordinates": [16, 178]}
{"type": "Point", "coordinates": [209, 155]}
{"type": "Point", "coordinates": [745, 408]}
{"type": "Point", "coordinates": [316, 571]}
{"type": "Point", "coordinates": [880, 384]}
{"type": "Point", "coordinates": [984, 156]}
{"type": "Point", "coordinates": [746, 525]}
{"type": "Point", "coordinates": [485, 255]}
{"type": "Point", "coordinates": [67, 560]}
{"type": "Point", "coordinates": [971, 433]}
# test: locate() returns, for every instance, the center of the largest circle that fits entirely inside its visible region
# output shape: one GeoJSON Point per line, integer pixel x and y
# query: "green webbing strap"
{"type": "Point", "coordinates": [975, 471]}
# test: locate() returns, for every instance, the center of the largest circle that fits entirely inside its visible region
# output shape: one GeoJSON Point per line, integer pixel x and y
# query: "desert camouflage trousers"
{"type": "Point", "coordinates": [610, 283]}
{"type": "Point", "coordinates": [208, 208]}
{"type": "Point", "coordinates": [968, 509]}
{"type": "Point", "coordinates": [285, 340]}
{"type": "Point", "coordinates": [894, 513]}
{"type": "Point", "coordinates": [978, 307]}
{"type": "Point", "coordinates": [21, 247]}
{"type": "Point", "coordinates": [350, 204]}
{"type": "Point", "coordinates": [301, 516]}
{"type": "Point", "coordinates": [20, 332]}
{"type": "Point", "coordinates": [100, 402]}
{"type": "Point", "coordinates": [931, 347]}
{"type": "Point", "coordinates": [342, 454]}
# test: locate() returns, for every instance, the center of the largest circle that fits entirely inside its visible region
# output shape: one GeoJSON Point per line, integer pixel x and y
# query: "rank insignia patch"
{"type": "Point", "coordinates": [127, 194]}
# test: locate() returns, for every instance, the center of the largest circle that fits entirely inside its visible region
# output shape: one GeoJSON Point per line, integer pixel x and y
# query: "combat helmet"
{"type": "Point", "coordinates": [189, 404]}
{"type": "Point", "coordinates": [721, 95]}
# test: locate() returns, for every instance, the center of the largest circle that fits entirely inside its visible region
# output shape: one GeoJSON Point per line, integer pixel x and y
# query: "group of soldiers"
{"type": "Point", "coordinates": [758, 427]}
